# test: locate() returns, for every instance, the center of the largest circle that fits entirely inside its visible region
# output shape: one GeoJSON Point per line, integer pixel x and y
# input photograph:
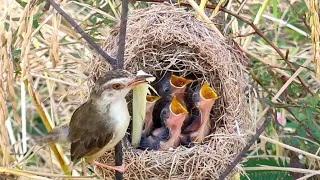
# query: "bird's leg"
{"type": "Point", "coordinates": [120, 169]}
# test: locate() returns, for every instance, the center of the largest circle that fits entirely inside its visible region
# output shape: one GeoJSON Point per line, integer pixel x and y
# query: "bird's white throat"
{"type": "Point", "coordinates": [120, 116]}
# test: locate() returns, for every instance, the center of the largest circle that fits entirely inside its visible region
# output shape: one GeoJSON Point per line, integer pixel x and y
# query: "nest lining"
{"type": "Point", "coordinates": [164, 38]}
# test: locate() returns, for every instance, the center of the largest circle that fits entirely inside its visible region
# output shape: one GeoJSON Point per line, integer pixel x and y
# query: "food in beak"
{"type": "Point", "coordinates": [139, 103]}
{"type": "Point", "coordinates": [140, 79]}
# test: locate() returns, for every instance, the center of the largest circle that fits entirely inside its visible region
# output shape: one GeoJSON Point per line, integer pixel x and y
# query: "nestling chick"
{"type": "Point", "coordinates": [173, 116]}
{"type": "Point", "coordinates": [204, 102]}
{"type": "Point", "coordinates": [148, 122]}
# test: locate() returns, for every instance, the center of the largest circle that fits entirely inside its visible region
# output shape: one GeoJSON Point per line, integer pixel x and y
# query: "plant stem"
{"type": "Point", "coordinates": [48, 127]}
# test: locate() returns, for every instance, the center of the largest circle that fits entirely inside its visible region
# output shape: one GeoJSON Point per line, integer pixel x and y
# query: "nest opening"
{"type": "Point", "coordinates": [164, 38]}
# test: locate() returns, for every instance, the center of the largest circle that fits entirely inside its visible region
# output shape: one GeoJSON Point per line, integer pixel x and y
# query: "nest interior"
{"type": "Point", "coordinates": [164, 38]}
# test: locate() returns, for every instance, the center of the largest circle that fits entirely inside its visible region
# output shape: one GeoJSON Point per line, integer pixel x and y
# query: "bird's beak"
{"type": "Point", "coordinates": [152, 99]}
{"type": "Point", "coordinates": [179, 82]}
{"type": "Point", "coordinates": [138, 79]}
{"type": "Point", "coordinates": [207, 93]}
{"type": "Point", "coordinates": [176, 108]}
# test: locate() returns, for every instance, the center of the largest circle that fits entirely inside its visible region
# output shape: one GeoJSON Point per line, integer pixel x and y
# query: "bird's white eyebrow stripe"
{"type": "Point", "coordinates": [121, 80]}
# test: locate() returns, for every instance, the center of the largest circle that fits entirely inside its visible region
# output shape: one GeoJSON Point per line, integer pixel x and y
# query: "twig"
{"type": "Point", "coordinates": [120, 64]}
{"type": "Point", "coordinates": [112, 61]}
{"type": "Point", "coordinates": [270, 43]}
{"type": "Point", "coordinates": [245, 149]}
{"type": "Point", "coordinates": [233, 18]}
{"type": "Point", "coordinates": [307, 176]}
{"type": "Point", "coordinates": [118, 159]}
{"type": "Point", "coordinates": [23, 118]}
{"type": "Point", "coordinates": [122, 35]}
{"type": "Point", "coordinates": [283, 23]}
{"type": "Point", "coordinates": [54, 79]}
{"type": "Point", "coordinates": [205, 18]}
{"type": "Point", "coordinates": [290, 148]}
{"type": "Point", "coordinates": [21, 173]}
{"type": "Point", "coordinates": [256, 21]}
{"type": "Point", "coordinates": [47, 125]}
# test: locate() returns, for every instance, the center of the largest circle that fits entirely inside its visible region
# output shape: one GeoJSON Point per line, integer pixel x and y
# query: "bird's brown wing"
{"type": "Point", "coordinates": [89, 131]}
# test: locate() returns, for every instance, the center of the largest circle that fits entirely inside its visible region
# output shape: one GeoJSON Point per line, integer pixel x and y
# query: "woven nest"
{"type": "Point", "coordinates": [164, 38]}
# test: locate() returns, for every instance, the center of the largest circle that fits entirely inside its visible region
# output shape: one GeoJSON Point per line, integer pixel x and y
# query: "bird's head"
{"type": "Point", "coordinates": [173, 113]}
{"type": "Point", "coordinates": [116, 84]}
{"type": "Point", "coordinates": [204, 96]}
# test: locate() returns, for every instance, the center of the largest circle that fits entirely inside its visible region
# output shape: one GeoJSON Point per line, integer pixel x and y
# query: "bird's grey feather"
{"type": "Point", "coordinates": [90, 130]}
{"type": "Point", "coordinates": [57, 134]}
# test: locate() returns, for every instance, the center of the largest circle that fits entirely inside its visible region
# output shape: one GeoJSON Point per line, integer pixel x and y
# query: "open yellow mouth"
{"type": "Point", "coordinates": [207, 93]}
{"type": "Point", "coordinates": [152, 98]}
{"type": "Point", "coordinates": [176, 108]}
{"type": "Point", "coordinates": [179, 81]}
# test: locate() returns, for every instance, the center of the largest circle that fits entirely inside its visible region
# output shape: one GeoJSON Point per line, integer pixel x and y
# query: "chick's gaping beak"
{"type": "Point", "coordinates": [207, 99]}
{"type": "Point", "coordinates": [152, 99]}
{"type": "Point", "coordinates": [179, 82]}
{"type": "Point", "coordinates": [138, 79]}
{"type": "Point", "coordinates": [176, 108]}
{"type": "Point", "coordinates": [207, 93]}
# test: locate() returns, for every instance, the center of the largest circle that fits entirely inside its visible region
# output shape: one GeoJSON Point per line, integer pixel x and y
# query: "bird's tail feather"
{"type": "Point", "coordinates": [57, 134]}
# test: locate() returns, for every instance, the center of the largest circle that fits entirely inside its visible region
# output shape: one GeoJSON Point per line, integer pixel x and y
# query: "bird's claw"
{"type": "Point", "coordinates": [120, 169]}
{"type": "Point", "coordinates": [124, 166]}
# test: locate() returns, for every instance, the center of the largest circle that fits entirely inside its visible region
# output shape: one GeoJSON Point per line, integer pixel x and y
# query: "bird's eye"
{"type": "Point", "coordinates": [195, 97]}
{"type": "Point", "coordinates": [164, 114]}
{"type": "Point", "coordinates": [117, 86]}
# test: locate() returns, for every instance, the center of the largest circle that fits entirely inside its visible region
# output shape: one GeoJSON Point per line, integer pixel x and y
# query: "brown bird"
{"type": "Point", "coordinates": [173, 116]}
{"type": "Point", "coordinates": [204, 100]}
{"type": "Point", "coordinates": [101, 122]}
{"type": "Point", "coordinates": [148, 122]}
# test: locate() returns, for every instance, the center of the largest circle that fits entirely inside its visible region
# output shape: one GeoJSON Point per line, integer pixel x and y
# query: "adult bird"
{"type": "Point", "coordinates": [101, 122]}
